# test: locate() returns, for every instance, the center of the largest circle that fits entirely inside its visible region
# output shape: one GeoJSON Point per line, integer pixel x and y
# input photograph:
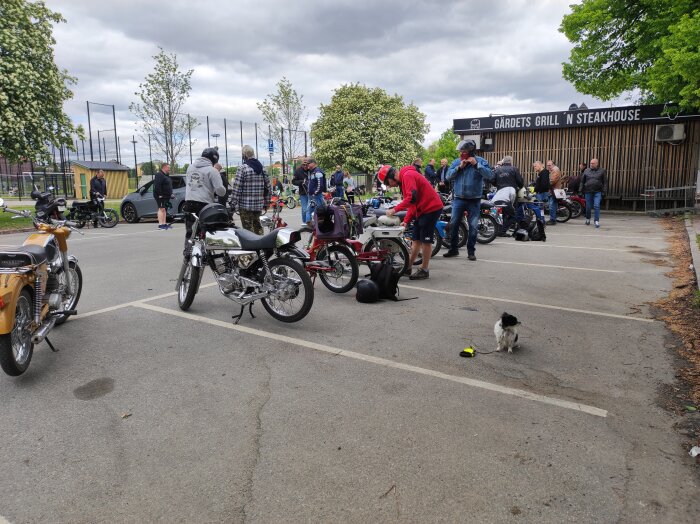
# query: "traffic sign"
{"type": "Point", "coordinates": [270, 146]}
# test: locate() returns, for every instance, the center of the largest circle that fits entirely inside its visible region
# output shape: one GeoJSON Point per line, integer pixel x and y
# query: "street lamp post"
{"type": "Point", "coordinates": [216, 138]}
{"type": "Point", "coordinates": [136, 166]}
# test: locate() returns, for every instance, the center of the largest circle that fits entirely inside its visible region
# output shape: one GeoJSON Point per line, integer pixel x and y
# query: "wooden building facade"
{"type": "Point", "coordinates": [637, 145]}
{"type": "Point", "coordinates": [116, 176]}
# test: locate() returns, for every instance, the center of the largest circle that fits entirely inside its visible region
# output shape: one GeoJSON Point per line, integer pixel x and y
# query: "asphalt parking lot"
{"type": "Point", "coordinates": [357, 413]}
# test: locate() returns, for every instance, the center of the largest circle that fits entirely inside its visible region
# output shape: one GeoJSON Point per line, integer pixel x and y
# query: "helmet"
{"type": "Point", "coordinates": [386, 172]}
{"type": "Point", "coordinates": [212, 154]}
{"type": "Point", "coordinates": [521, 235]}
{"type": "Point", "coordinates": [467, 145]}
{"type": "Point", "coordinates": [367, 291]}
{"type": "Point", "coordinates": [213, 216]}
{"type": "Point", "coordinates": [522, 195]}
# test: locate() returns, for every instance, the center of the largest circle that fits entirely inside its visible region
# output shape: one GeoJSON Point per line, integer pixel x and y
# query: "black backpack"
{"type": "Point", "coordinates": [387, 279]}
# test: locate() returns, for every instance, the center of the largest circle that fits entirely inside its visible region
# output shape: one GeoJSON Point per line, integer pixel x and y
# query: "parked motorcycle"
{"type": "Point", "coordinates": [244, 268]}
{"type": "Point", "coordinates": [93, 211]}
{"type": "Point", "coordinates": [577, 204]}
{"type": "Point", "coordinates": [39, 289]}
{"type": "Point", "coordinates": [47, 206]}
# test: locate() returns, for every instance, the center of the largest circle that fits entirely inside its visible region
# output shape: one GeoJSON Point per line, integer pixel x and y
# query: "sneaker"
{"type": "Point", "coordinates": [451, 254]}
{"type": "Point", "coordinates": [588, 222]}
{"type": "Point", "coordinates": [162, 226]}
{"type": "Point", "coordinates": [471, 257]}
{"type": "Point", "coordinates": [597, 224]}
{"type": "Point", "coordinates": [421, 274]}
{"type": "Point", "coordinates": [168, 226]}
{"type": "Point", "coordinates": [552, 222]}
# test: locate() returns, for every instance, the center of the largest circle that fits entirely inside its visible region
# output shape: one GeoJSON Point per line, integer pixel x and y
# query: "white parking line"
{"type": "Point", "coordinates": [547, 244]}
{"type": "Point", "coordinates": [533, 304]}
{"type": "Point", "coordinates": [550, 265]}
{"type": "Point", "coordinates": [605, 235]}
{"type": "Point", "coordinates": [576, 406]}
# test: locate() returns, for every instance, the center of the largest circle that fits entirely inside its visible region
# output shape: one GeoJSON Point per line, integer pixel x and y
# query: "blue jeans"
{"type": "Point", "coordinates": [593, 201]}
{"type": "Point", "coordinates": [553, 206]}
{"type": "Point", "coordinates": [473, 208]}
{"type": "Point", "coordinates": [338, 192]}
{"type": "Point", "coordinates": [304, 199]}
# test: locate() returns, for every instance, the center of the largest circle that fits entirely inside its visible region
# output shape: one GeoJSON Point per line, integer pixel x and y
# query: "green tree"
{"type": "Point", "coordinates": [364, 127]}
{"type": "Point", "coordinates": [162, 96]}
{"type": "Point", "coordinates": [285, 109]}
{"type": "Point", "coordinates": [649, 46]}
{"type": "Point", "coordinates": [32, 87]}
{"type": "Point", "coordinates": [443, 147]}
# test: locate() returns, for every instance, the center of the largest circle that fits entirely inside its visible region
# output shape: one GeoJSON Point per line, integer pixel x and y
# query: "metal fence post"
{"type": "Point", "coordinates": [284, 164]}
{"type": "Point", "coordinates": [208, 141]}
{"type": "Point", "coordinates": [189, 134]}
{"type": "Point", "coordinates": [226, 146]}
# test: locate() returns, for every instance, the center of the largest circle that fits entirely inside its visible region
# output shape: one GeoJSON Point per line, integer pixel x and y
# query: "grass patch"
{"type": "Point", "coordinates": [696, 299]}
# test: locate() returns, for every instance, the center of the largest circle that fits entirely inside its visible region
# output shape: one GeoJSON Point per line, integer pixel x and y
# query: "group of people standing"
{"type": "Point", "coordinates": [312, 184]}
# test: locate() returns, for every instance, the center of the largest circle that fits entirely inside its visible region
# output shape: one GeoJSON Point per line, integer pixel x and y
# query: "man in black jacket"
{"type": "Point", "coordinates": [163, 192]}
{"type": "Point", "coordinates": [98, 188]}
{"type": "Point", "coordinates": [301, 181]}
{"type": "Point", "coordinates": [542, 181]}
{"type": "Point", "coordinates": [430, 173]}
{"type": "Point", "coordinates": [594, 185]}
{"type": "Point", "coordinates": [507, 175]}
{"type": "Point", "coordinates": [443, 183]}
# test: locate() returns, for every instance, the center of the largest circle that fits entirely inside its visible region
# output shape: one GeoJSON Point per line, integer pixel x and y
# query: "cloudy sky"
{"type": "Point", "coordinates": [452, 59]}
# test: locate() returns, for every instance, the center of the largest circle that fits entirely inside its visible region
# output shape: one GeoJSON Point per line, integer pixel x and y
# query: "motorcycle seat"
{"type": "Point", "coordinates": [380, 212]}
{"type": "Point", "coordinates": [22, 256]}
{"type": "Point", "coordinates": [81, 203]}
{"type": "Point", "coordinates": [251, 241]}
{"type": "Point", "coordinates": [486, 205]}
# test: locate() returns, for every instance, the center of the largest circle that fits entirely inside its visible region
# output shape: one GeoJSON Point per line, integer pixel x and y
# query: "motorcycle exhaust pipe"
{"type": "Point", "coordinates": [41, 333]}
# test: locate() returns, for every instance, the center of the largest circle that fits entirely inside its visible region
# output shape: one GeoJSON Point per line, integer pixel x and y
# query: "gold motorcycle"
{"type": "Point", "coordinates": [40, 285]}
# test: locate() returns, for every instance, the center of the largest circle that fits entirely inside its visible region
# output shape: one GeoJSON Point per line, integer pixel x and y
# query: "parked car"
{"type": "Point", "coordinates": [141, 203]}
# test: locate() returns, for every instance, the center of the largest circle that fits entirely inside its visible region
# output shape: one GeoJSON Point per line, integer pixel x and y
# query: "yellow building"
{"type": "Point", "coordinates": [116, 176]}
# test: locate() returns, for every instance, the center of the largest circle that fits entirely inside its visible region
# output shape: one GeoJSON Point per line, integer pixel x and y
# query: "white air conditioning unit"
{"type": "Point", "coordinates": [670, 133]}
{"type": "Point", "coordinates": [475, 138]}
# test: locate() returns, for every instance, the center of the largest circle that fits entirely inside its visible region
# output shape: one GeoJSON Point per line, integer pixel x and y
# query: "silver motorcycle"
{"type": "Point", "coordinates": [244, 268]}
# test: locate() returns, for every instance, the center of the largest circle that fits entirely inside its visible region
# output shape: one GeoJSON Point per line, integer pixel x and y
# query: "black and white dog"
{"type": "Point", "coordinates": [506, 331]}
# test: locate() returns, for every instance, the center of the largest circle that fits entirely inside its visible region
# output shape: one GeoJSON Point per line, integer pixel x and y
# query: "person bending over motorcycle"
{"type": "Point", "coordinates": [98, 189]}
{"type": "Point", "coordinates": [203, 185]}
{"type": "Point", "coordinates": [422, 203]}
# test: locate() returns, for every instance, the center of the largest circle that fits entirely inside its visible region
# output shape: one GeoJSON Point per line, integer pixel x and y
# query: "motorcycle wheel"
{"type": "Point", "coordinates": [488, 229]}
{"type": "Point", "coordinates": [576, 209]}
{"type": "Point", "coordinates": [16, 347]}
{"type": "Point", "coordinates": [188, 284]}
{"type": "Point", "coordinates": [346, 271]}
{"type": "Point", "coordinates": [462, 236]}
{"type": "Point", "coordinates": [397, 251]}
{"type": "Point", "coordinates": [129, 213]}
{"type": "Point", "coordinates": [296, 292]}
{"type": "Point", "coordinates": [563, 212]}
{"type": "Point", "coordinates": [71, 297]}
{"type": "Point", "coordinates": [291, 203]}
{"type": "Point", "coordinates": [110, 218]}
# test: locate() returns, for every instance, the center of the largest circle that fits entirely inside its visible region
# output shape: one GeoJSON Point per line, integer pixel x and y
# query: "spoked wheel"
{"type": "Point", "coordinates": [563, 212]}
{"type": "Point", "coordinates": [71, 293]}
{"type": "Point", "coordinates": [488, 229]}
{"type": "Point", "coordinates": [291, 203]}
{"type": "Point", "coordinates": [576, 209]}
{"type": "Point", "coordinates": [395, 248]}
{"type": "Point", "coordinates": [16, 347]}
{"type": "Point", "coordinates": [130, 215]}
{"type": "Point", "coordinates": [293, 293]}
{"type": "Point", "coordinates": [343, 277]}
{"type": "Point", "coordinates": [462, 235]}
{"type": "Point", "coordinates": [188, 284]}
{"type": "Point", "coordinates": [109, 218]}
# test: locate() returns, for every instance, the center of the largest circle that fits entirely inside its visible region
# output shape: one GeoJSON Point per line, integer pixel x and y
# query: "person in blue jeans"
{"type": "Point", "coordinates": [541, 182]}
{"type": "Point", "coordinates": [317, 185]}
{"type": "Point", "coordinates": [300, 180]}
{"type": "Point", "coordinates": [467, 174]}
{"type": "Point", "coordinates": [594, 185]}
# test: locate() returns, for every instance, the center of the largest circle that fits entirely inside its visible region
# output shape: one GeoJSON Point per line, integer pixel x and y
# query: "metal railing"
{"type": "Point", "coordinates": [669, 200]}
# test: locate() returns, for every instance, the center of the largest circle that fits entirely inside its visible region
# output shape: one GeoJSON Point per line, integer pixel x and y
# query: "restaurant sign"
{"type": "Point", "coordinates": [579, 118]}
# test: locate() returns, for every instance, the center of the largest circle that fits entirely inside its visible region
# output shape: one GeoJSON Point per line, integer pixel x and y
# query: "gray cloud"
{"type": "Point", "coordinates": [451, 58]}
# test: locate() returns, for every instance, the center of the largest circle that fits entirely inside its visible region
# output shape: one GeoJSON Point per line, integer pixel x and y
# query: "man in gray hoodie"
{"type": "Point", "coordinates": [204, 184]}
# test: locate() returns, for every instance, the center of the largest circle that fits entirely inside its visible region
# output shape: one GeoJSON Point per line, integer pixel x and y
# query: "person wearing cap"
{"type": "Point", "coordinates": [317, 185]}
{"type": "Point", "coordinates": [467, 175]}
{"type": "Point", "coordinates": [300, 180]}
{"type": "Point", "coordinates": [421, 203]}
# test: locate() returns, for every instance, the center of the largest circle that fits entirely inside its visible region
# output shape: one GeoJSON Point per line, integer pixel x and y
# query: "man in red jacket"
{"type": "Point", "coordinates": [421, 203]}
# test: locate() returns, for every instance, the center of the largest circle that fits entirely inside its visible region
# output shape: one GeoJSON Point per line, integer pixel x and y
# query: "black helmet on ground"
{"type": "Point", "coordinates": [212, 154]}
{"type": "Point", "coordinates": [367, 291]}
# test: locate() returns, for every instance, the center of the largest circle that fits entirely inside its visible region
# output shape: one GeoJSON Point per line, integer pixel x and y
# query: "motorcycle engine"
{"type": "Point", "coordinates": [229, 270]}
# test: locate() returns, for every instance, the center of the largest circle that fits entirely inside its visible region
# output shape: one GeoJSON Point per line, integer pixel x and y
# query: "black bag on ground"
{"type": "Point", "coordinates": [536, 231]}
{"type": "Point", "coordinates": [387, 279]}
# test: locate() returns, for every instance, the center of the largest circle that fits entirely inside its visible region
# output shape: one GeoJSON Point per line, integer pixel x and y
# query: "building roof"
{"type": "Point", "coordinates": [107, 166]}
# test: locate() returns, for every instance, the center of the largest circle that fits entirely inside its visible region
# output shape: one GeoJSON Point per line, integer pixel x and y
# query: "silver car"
{"type": "Point", "coordinates": [141, 203]}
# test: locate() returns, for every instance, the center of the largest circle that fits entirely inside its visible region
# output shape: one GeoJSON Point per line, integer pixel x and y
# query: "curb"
{"type": "Point", "coordinates": [694, 249]}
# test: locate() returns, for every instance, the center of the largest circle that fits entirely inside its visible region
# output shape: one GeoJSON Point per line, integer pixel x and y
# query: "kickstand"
{"type": "Point", "coordinates": [51, 345]}
{"type": "Point", "coordinates": [238, 317]}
